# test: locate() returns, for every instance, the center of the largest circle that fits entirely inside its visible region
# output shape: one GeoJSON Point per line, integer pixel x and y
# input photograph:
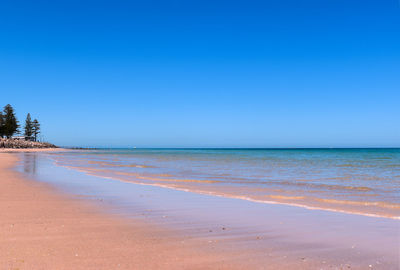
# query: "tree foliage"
{"type": "Point", "coordinates": [10, 126]}
{"type": "Point", "coordinates": [28, 126]}
{"type": "Point", "coordinates": [1, 125]}
{"type": "Point", "coordinates": [35, 129]}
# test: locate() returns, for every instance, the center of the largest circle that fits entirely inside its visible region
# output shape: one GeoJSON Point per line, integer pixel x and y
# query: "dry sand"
{"type": "Point", "coordinates": [42, 229]}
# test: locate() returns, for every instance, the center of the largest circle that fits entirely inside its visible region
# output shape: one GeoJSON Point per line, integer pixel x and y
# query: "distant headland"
{"type": "Point", "coordinates": [11, 136]}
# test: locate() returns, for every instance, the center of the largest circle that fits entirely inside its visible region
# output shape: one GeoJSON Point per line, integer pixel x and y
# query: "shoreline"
{"type": "Point", "coordinates": [187, 244]}
{"type": "Point", "coordinates": [41, 228]}
{"type": "Point", "coordinates": [366, 199]}
{"type": "Point", "coordinates": [239, 197]}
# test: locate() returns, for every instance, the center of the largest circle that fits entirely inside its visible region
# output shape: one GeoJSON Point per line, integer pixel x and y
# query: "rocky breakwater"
{"type": "Point", "coordinates": [14, 143]}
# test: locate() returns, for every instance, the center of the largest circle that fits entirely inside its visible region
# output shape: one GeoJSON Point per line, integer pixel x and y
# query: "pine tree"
{"type": "Point", "coordinates": [28, 126]}
{"type": "Point", "coordinates": [35, 128]}
{"type": "Point", "coordinates": [11, 125]}
{"type": "Point", "coordinates": [1, 125]}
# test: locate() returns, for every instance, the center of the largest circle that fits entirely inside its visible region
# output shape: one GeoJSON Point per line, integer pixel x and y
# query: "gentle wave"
{"type": "Point", "coordinates": [108, 164]}
{"type": "Point", "coordinates": [353, 181]}
{"type": "Point", "coordinates": [272, 199]}
{"type": "Point", "coordinates": [227, 179]}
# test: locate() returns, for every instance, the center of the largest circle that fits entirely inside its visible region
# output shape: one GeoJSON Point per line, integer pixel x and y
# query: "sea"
{"type": "Point", "coordinates": [357, 181]}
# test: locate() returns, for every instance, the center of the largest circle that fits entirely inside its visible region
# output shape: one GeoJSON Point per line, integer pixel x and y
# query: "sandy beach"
{"type": "Point", "coordinates": [44, 226]}
{"type": "Point", "coordinates": [42, 229]}
{"type": "Point", "coordinates": [199, 135]}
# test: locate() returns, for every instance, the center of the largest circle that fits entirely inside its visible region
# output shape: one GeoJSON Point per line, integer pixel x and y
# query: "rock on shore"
{"type": "Point", "coordinates": [13, 143]}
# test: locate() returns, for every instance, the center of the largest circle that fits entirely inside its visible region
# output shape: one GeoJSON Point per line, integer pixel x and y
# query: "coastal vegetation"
{"type": "Point", "coordinates": [10, 135]}
{"type": "Point", "coordinates": [8, 122]}
{"type": "Point", "coordinates": [32, 128]}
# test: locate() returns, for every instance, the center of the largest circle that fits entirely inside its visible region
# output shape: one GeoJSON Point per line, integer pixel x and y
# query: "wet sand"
{"type": "Point", "coordinates": [355, 181]}
{"type": "Point", "coordinates": [42, 227]}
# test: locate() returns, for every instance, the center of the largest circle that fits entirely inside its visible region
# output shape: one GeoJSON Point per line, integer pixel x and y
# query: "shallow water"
{"type": "Point", "coordinates": [363, 181]}
{"type": "Point", "coordinates": [261, 232]}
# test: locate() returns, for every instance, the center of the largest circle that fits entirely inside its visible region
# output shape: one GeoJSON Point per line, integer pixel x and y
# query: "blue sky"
{"type": "Point", "coordinates": [312, 73]}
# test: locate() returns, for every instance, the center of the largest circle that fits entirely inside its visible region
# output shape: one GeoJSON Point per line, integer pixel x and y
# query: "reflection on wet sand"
{"type": "Point", "coordinates": [258, 232]}
{"type": "Point", "coordinates": [29, 162]}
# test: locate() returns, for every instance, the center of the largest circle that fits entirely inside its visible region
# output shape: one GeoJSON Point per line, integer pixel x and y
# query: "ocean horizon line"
{"type": "Point", "coordinates": [228, 148]}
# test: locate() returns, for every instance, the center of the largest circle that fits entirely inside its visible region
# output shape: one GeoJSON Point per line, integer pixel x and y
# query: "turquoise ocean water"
{"type": "Point", "coordinates": [362, 181]}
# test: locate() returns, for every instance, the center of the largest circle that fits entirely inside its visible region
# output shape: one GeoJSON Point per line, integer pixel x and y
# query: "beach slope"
{"type": "Point", "coordinates": [42, 229]}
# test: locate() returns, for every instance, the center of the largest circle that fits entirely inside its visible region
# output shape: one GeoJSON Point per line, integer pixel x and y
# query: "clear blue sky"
{"type": "Point", "coordinates": [311, 73]}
